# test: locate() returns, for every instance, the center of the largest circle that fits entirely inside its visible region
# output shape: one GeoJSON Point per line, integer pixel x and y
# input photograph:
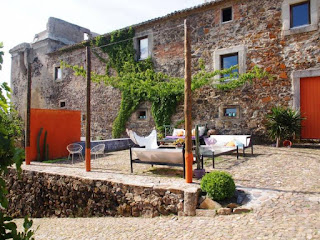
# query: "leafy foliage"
{"type": "Point", "coordinates": [1, 55]}
{"type": "Point", "coordinates": [138, 81]}
{"type": "Point", "coordinates": [283, 123]}
{"type": "Point", "coordinates": [10, 130]}
{"type": "Point", "coordinates": [218, 185]}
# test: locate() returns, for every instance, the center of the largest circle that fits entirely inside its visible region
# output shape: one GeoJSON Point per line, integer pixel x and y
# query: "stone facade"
{"type": "Point", "coordinates": [40, 194]}
{"type": "Point", "coordinates": [257, 26]}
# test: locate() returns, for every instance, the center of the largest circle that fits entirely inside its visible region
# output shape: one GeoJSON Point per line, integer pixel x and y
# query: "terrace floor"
{"type": "Point", "coordinates": [286, 182]}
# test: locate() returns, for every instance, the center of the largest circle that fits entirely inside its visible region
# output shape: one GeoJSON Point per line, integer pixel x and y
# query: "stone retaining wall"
{"type": "Point", "coordinates": [40, 194]}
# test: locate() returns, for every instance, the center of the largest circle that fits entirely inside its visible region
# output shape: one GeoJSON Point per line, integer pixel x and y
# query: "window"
{"type": "Point", "coordinates": [300, 14]}
{"type": "Point", "coordinates": [226, 57]}
{"type": "Point", "coordinates": [85, 36]}
{"type": "Point", "coordinates": [143, 48]}
{"type": "Point", "coordinates": [228, 61]}
{"type": "Point", "coordinates": [62, 104]}
{"type": "Point", "coordinates": [142, 115]}
{"type": "Point", "coordinates": [57, 73]}
{"type": "Point", "coordinates": [226, 14]}
{"type": "Point", "coordinates": [230, 112]}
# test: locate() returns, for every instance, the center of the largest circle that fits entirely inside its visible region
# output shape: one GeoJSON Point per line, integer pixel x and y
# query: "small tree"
{"type": "Point", "coordinates": [10, 130]}
{"type": "Point", "coordinates": [283, 123]}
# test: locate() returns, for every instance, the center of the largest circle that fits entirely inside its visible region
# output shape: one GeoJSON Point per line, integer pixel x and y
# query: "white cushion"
{"type": "Point", "coordinates": [201, 131]}
{"type": "Point", "coordinates": [176, 132]}
{"type": "Point", "coordinates": [224, 139]}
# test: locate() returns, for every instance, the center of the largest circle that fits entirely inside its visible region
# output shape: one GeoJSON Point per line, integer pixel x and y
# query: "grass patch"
{"type": "Point", "coordinates": [55, 160]}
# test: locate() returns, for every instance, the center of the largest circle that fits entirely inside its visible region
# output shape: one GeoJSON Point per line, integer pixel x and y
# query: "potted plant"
{"type": "Point", "coordinates": [199, 172]}
{"type": "Point", "coordinates": [283, 124]}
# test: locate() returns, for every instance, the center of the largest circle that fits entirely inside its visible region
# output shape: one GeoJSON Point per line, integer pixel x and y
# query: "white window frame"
{"type": "Point", "coordinates": [61, 101]}
{"type": "Point", "coordinates": [242, 60]}
{"type": "Point", "coordinates": [286, 17]}
{"type": "Point", "coordinates": [54, 73]}
{"type": "Point", "coordinates": [139, 48]}
{"type": "Point", "coordinates": [136, 43]}
{"type": "Point", "coordinates": [232, 14]}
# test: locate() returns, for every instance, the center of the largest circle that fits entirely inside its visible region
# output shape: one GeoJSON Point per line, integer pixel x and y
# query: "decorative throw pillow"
{"type": "Point", "coordinates": [210, 141]}
{"type": "Point", "coordinates": [176, 131]}
{"type": "Point", "coordinates": [180, 133]}
{"type": "Point", "coordinates": [193, 132]}
{"type": "Point", "coordinates": [238, 144]}
{"type": "Point", "coordinates": [201, 131]}
{"type": "Point", "coordinates": [231, 144]}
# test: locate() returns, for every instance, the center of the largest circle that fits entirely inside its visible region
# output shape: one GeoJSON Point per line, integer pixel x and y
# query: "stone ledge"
{"type": "Point", "coordinates": [43, 191]}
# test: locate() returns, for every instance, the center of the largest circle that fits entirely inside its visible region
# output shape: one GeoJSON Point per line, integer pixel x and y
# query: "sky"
{"type": "Point", "coordinates": [20, 20]}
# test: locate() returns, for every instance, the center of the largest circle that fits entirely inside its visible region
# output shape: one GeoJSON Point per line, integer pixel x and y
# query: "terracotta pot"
{"type": "Point", "coordinates": [287, 143]}
{"type": "Point", "coordinates": [199, 173]}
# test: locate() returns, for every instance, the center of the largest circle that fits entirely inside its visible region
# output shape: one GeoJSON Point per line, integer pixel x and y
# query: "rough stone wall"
{"type": "Point", "coordinates": [105, 100]}
{"type": "Point", "coordinates": [40, 194]}
{"type": "Point", "coordinates": [257, 25]}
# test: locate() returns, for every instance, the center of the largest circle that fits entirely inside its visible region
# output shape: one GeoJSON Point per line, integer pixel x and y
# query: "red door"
{"type": "Point", "coordinates": [310, 107]}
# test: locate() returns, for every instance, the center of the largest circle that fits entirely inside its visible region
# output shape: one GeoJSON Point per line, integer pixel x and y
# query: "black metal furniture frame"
{"type": "Point", "coordinates": [250, 145]}
{"type": "Point", "coordinates": [161, 163]}
{"type": "Point", "coordinates": [216, 155]}
{"type": "Point", "coordinates": [243, 153]}
{"type": "Point", "coordinates": [158, 163]}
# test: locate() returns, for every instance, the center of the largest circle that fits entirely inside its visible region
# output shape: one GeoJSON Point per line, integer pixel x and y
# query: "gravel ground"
{"type": "Point", "coordinates": [293, 211]}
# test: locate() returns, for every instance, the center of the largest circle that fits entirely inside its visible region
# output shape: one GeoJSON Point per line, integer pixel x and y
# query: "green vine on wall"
{"type": "Point", "coordinates": [138, 81]}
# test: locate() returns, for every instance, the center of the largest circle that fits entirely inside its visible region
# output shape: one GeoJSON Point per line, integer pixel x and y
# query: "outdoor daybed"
{"type": "Point", "coordinates": [217, 145]}
{"type": "Point", "coordinates": [168, 157]}
{"type": "Point", "coordinates": [148, 152]}
{"type": "Point", "coordinates": [242, 141]}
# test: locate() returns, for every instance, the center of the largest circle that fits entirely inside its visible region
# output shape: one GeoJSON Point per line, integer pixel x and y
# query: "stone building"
{"type": "Point", "coordinates": [281, 36]}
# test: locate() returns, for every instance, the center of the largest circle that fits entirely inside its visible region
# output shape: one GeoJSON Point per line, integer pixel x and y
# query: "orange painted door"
{"type": "Point", "coordinates": [310, 107]}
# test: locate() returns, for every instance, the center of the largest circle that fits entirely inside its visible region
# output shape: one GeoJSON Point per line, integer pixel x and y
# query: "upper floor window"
{"type": "Point", "coordinates": [226, 14]}
{"type": "Point", "coordinates": [57, 73]}
{"type": "Point", "coordinates": [300, 14]}
{"type": "Point", "coordinates": [228, 61]}
{"type": "Point", "coordinates": [143, 48]}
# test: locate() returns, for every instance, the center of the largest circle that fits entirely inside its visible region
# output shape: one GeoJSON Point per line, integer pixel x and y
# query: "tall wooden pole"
{"type": "Point", "coordinates": [28, 119]}
{"type": "Point", "coordinates": [88, 143]}
{"type": "Point", "coordinates": [187, 103]}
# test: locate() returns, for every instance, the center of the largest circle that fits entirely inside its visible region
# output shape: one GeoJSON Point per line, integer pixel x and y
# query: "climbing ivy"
{"type": "Point", "coordinates": [138, 81]}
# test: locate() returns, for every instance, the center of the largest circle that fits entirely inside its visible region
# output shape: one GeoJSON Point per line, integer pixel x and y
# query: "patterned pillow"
{"type": "Point", "coordinates": [178, 132]}
{"type": "Point", "coordinates": [210, 141]}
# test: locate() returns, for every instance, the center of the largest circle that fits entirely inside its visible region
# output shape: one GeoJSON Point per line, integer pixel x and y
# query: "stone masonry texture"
{"type": "Point", "coordinates": [40, 194]}
{"type": "Point", "coordinates": [257, 25]}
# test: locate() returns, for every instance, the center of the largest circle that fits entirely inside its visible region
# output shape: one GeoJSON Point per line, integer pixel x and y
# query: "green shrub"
{"type": "Point", "coordinates": [218, 185]}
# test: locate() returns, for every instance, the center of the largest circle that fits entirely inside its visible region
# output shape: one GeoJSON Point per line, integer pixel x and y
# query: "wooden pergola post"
{"type": "Point", "coordinates": [88, 142]}
{"type": "Point", "coordinates": [28, 117]}
{"type": "Point", "coordinates": [187, 104]}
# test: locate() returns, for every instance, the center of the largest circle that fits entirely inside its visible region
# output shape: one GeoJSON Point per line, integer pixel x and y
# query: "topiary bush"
{"type": "Point", "coordinates": [218, 185]}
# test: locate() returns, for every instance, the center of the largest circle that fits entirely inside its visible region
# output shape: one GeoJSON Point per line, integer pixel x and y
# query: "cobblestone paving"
{"type": "Point", "coordinates": [284, 185]}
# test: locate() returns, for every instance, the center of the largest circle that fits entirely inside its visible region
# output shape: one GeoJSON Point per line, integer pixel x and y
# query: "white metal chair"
{"type": "Point", "coordinates": [98, 149]}
{"type": "Point", "coordinates": [74, 148]}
